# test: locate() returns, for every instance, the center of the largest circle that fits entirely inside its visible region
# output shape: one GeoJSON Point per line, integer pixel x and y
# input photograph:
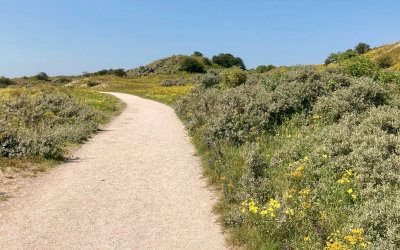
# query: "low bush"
{"type": "Point", "coordinates": [340, 56]}
{"type": "Point", "coordinates": [38, 122]}
{"type": "Point", "coordinates": [42, 77]}
{"type": "Point", "coordinates": [212, 78]}
{"type": "Point", "coordinates": [360, 66]}
{"type": "Point", "coordinates": [384, 62]}
{"type": "Point", "coordinates": [63, 80]}
{"type": "Point", "coordinates": [264, 68]}
{"type": "Point", "coordinates": [389, 76]}
{"type": "Point", "coordinates": [4, 82]}
{"type": "Point", "coordinates": [173, 82]}
{"type": "Point", "coordinates": [191, 65]}
{"type": "Point", "coordinates": [233, 77]}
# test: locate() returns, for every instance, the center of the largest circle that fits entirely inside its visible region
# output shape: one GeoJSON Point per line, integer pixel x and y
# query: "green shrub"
{"type": "Point", "coordinates": [384, 62]}
{"type": "Point", "coordinates": [197, 54]}
{"type": "Point", "coordinates": [63, 80]}
{"type": "Point", "coordinates": [4, 82]}
{"type": "Point", "coordinates": [361, 95]}
{"type": "Point", "coordinates": [173, 82]}
{"type": "Point", "coordinates": [360, 66]}
{"type": "Point", "coordinates": [362, 48]}
{"type": "Point", "coordinates": [42, 77]}
{"type": "Point", "coordinates": [264, 68]}
{"type": "Point", "coordinates": [90, 83]}
{"type": "Point", "coordinates": [191, 65]}
{"type": "Point", "coordinates": [340, 56]}
{"type": "Point", "coordinates": [228, 61]}
{"type": "Point", "coordinates": [119, 72]}
{"type": "Point", "coordinates": [233, 77]}
{"type": "Point", "coordinates": [389, 76]}
{"type": "Point", "coordinates": [212, 78]}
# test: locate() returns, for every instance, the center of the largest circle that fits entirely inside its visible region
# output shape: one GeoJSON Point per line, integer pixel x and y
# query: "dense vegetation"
{"type": "Point", "coordinates": [306, 157]}
{"type": "Point", "coordinates": [41, 122]}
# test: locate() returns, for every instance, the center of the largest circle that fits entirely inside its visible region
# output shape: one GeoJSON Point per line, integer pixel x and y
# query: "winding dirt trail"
{"type": "Point", "coordinates": [136, 185]}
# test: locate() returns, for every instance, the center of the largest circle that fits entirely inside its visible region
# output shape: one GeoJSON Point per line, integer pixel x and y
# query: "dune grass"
{"type": "Point", "coordinates": [145, 86]}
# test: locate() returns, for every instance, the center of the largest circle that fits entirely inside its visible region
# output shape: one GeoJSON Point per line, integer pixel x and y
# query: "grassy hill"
{"type": "Point", "coordinates": [391, 52]}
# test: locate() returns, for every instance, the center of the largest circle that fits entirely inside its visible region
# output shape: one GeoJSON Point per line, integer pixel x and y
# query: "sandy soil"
{"type": "Point", "coordinates": [136, 184]}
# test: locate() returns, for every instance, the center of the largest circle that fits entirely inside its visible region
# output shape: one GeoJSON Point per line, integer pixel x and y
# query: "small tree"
{"type": "Point", "coordinates": [340, 56]}
{"type": "Point", "coordinates": [362, 48]}
{"type": "Point", "coordinates": [42, 76]}
{"type": "Point", "coordinates": [191, 65]}
{"type": "Point", "coordinates": [228, 61]}
{"type": "Point", "coordinates": [234, 76]}
{"type": "Point", "coordinates": [197, 54]}
{"type": "Point", "coordinates": [265, 68]}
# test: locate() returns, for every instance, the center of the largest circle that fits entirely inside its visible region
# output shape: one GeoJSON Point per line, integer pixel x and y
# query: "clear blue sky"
{"type": "Point", "coordinates": [72, 36]}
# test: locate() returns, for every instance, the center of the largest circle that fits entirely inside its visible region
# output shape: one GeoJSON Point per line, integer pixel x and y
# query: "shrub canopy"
{"type": "Point", "coordinates": [228, 61]}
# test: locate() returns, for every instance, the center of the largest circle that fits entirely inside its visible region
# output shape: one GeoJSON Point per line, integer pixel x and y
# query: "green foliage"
{"type": "Point", "coordinates": [362, 48]}
{"type": "Point", "coordinates": [360, 66]}
{"type": "Point", "coordinates": [116, 72]}
{"type": "Point", "coordinates": [228, 61]}
{"type": "Point", "coordinates": [389, 76]}
{"type": "Point", "coordinates": [197, 54]}
{"type": "Point", "coordinates": [265, 68]}
{"type": "Point", "coordinates": [42, 77]}
{"type": "Point", "coordinates": [4, 82]}
{"type": "Point", "coordinates": [119, 72]}
{"type": "Point", "coordinates": [63, 80]}
{"type": "Point", "coordinates": [212, 78]}
{"type": "Point", "coordinates": [363, 93]}
{"type": "Point", "coordinates": [191, 65]}
{"type": "Point", "coordinates": [173, 82]}
{"type": "Point", "coordinates": [233, 77]}
{"type": "Point", "coordinates": [340, 56]}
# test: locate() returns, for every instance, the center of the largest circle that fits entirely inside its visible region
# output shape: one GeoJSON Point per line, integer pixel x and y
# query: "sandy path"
{"type": "Point", "coordinates": [134, 185]}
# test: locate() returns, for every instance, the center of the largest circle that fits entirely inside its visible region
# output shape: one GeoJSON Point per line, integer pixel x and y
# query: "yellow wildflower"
{"type": "Point", "coordinates": [351, 239]}
{"type": "Point", "coordinates": [264, 212]}
{"type": "Point", "coordinates": [253, 208]}
{"type": "Point", "coordinates": [274, 203]}
{"type": "Point", "coordinates": [304, 192]}
{"type": "Point", "coordinates": [357, 231]}
{"type": "Point", "coordinates": [288, 195]}
{"type": "Point", "coordinates": [289, 212]}
{"type": "Point", "coordinates": [350, 191]}
{"type": "Point", "coordinates": [298, 172]}
{"type": "Point", "coordinates": [335, 246]}
{"type": "Point", "coordinates": [306, 238]}
{"type": "Point", "coordinates": [325, 156]}
{"type": "Point", "coordinates": [343, 180]}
